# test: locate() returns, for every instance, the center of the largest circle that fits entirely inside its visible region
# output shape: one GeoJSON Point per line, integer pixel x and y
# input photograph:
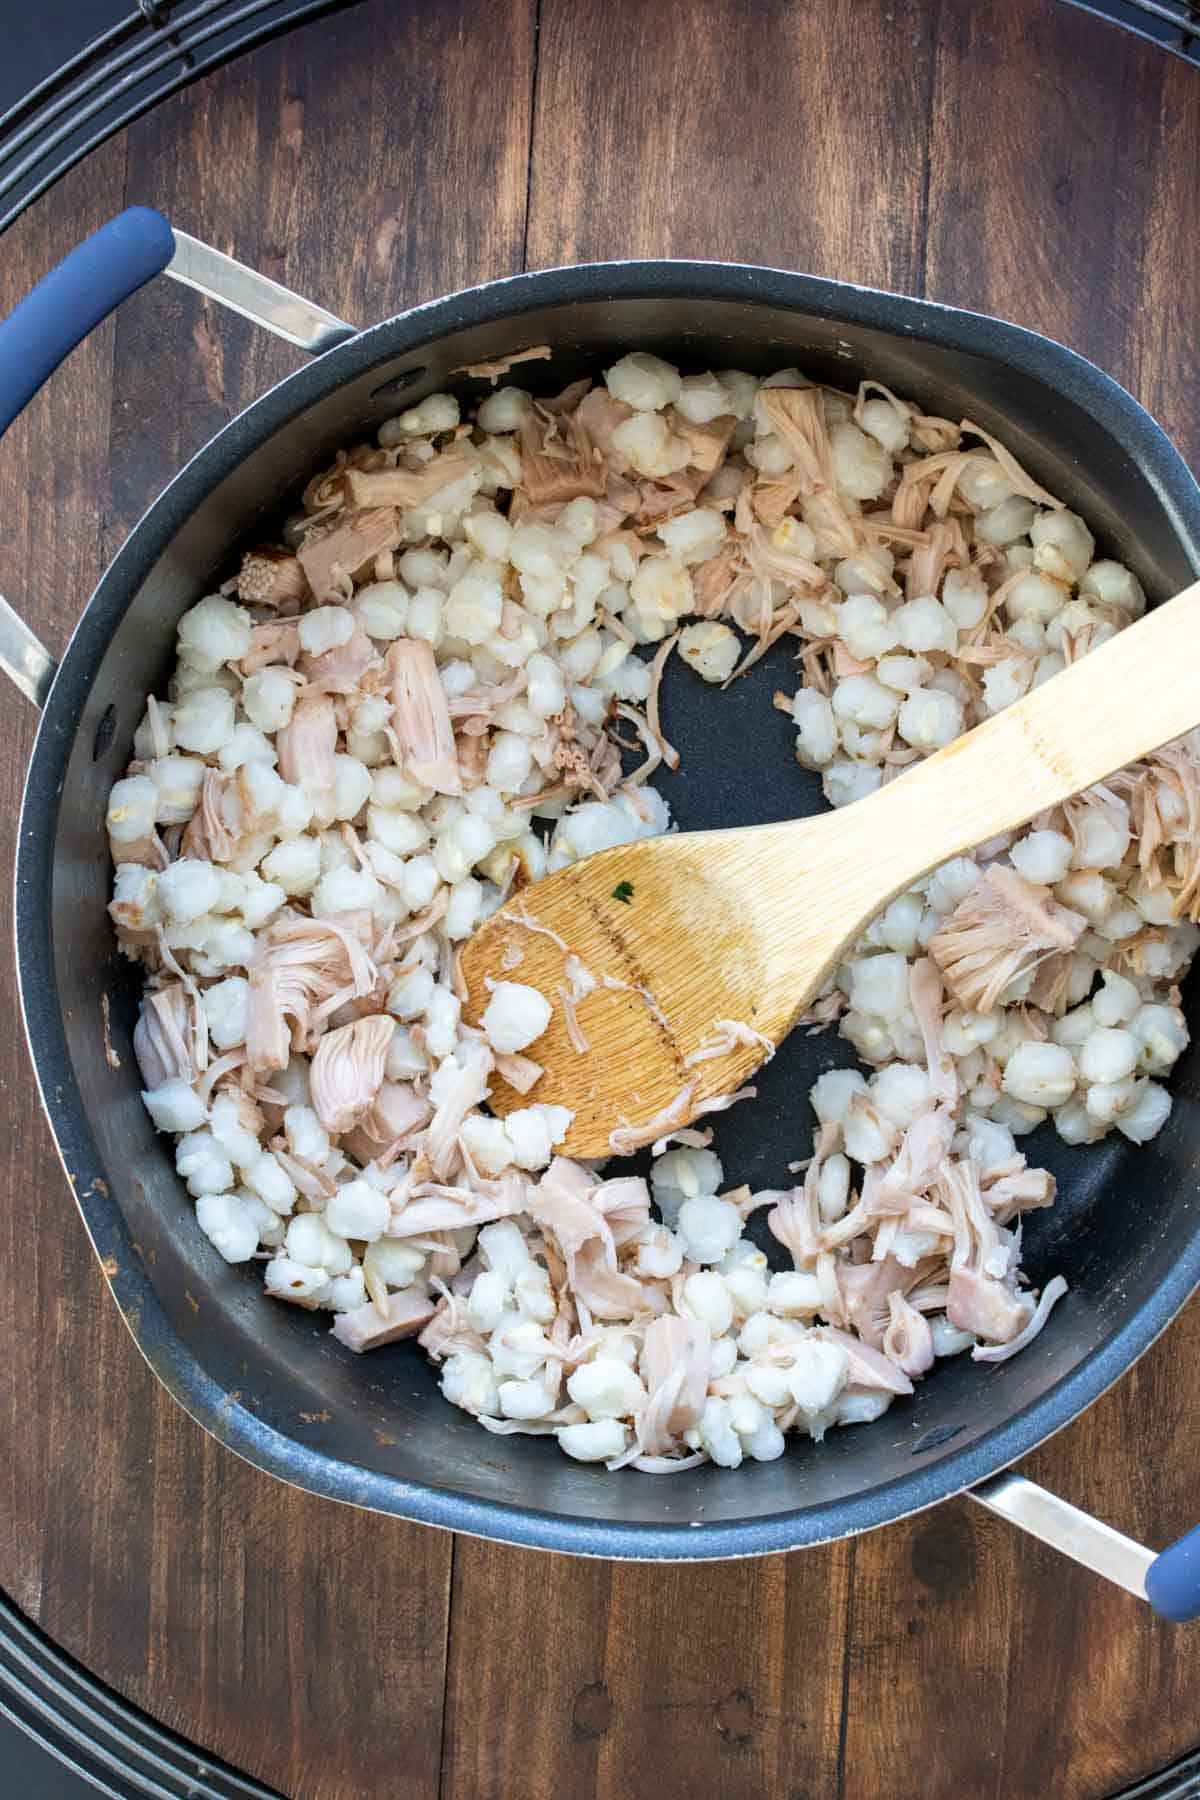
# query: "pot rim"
{"type": "Point", "coordinates": [951, 1471]}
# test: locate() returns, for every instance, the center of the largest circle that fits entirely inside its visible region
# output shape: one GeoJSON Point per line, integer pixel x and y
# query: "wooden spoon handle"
{"type": "Point", "coordinates": [1116, 705]}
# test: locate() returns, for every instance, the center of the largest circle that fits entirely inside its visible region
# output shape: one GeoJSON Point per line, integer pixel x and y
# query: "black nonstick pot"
{"type": "Point", "coordinates": [269, 1381]}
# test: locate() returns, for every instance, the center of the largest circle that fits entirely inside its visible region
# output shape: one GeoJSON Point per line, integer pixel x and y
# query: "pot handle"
{"type": "Point", "coordinates": [1170, 1580]}
{"type": "Point", "coordinates": [67, 303]}
{"type": "Point", "coordinates": [64, 306]}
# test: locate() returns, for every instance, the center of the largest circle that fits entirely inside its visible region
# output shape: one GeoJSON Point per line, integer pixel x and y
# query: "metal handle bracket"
{"type": "Point", "coordinates": [1065, 1528]}
{"type": "Point", "coordinates": [256, 297]}
{"type": "Point", "coordinates": [1168, 1579]}
{"type": "Point", "coordinates": [23, 657]}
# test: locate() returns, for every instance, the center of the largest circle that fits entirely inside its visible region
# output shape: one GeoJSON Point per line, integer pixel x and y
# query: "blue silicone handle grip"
{"type": "Point", "coordinates": [105, 269]}
{"type": "Point", "coordinates": [1173, 1579]}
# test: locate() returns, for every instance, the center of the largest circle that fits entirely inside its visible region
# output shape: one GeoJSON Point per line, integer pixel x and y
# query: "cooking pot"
{"type": "Point", "coordinates": [268, 1380]}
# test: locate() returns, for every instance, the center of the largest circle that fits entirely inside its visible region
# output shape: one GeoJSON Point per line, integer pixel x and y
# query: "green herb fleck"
{"type": "Point", "coordinates": [623, 892]}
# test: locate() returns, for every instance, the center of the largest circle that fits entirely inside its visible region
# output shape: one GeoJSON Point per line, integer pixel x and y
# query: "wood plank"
{"type": "Point", "coordinates": [715, 130]}
{"type": "Point", "coordinates": [53, 460]}
{"type": "Point", "coordinates": [1044, 210]}
{"type": "Point", "coordinates": [52, 498]}
{"type": "Point", "coordinates": [372, 187]}
{"type": "Point", "coordinates": [616, 1680]}
{"type": "Point", "coordinates": [302, 1641]}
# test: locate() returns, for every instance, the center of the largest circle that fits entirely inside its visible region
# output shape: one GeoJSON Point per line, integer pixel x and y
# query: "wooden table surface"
{"type": "Point", "coordinates": [1018, 157]}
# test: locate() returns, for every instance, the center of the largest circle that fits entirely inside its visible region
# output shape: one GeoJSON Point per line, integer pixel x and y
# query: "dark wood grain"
{"type": "Point", "coordinates": [1019, 158]}
{"type": "Point", "coordinates": [623, 1680]}
{"type": "Point", "coordinates": [370, 162]}
{"type": "Point", "coordinates": [771, 134]}
{"type": "Point", "coordinates": [52, 476]}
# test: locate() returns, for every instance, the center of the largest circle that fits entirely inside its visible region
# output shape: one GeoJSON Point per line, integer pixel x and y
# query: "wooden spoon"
{"type": "Point", "coordinates": [748, 924]}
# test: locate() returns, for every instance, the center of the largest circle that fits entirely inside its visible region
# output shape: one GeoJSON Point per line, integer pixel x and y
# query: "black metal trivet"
{"type": "Point", "coordinates": [95, 1734]}
{"type": "Point", "coordinates": [1175, 24]}
{"type": "Point", "coordinates": [75, 71]}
